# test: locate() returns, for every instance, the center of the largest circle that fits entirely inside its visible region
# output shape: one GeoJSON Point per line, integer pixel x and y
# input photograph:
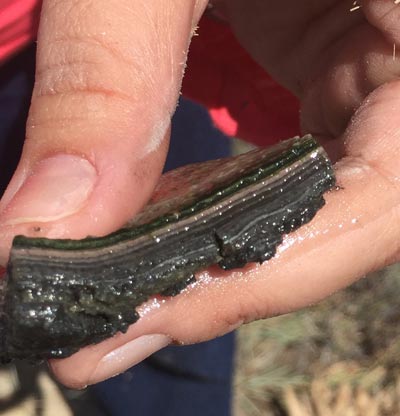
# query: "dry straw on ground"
{"type": "Point", "coordinates": [339, 358]}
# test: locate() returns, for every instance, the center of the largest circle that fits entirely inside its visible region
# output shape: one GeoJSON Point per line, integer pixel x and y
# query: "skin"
{"type": "Point", "coordinates": [339, 63]}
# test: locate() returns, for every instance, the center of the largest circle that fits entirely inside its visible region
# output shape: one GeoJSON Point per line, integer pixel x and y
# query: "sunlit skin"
{"type": "Point", "coordinates": [340, 64]}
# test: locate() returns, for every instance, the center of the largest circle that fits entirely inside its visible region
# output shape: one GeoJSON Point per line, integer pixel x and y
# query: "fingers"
{"type": "Point", "coordinates": [361, 59]}
{"type": "Point", "coordinates": [356, 232]}
{"type": "Point", "coordinates": [330, 54]}
{"type": "Point", "coordinates": [107, 82]}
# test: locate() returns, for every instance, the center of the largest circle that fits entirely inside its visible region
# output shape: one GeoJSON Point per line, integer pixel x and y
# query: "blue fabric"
{"type": "Point", "coordinates": [193, 380]}
{"type": "Point", "coordinates": [193, 138]}
{"type": "Point", "coordinates": [178, 381]}
{"type": "Point", "coordinates": [16, 81]}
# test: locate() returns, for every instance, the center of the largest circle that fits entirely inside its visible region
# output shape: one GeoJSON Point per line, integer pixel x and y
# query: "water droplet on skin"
{"type": "Point", "coordinates": [151, 305]}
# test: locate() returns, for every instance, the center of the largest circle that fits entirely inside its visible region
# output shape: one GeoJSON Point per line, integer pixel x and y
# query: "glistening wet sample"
{"type": "Point", "coordinates": [61, 295]}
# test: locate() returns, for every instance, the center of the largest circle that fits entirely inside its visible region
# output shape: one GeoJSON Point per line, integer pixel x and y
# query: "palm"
{"type": "Point", "coordinates": [328, 55]}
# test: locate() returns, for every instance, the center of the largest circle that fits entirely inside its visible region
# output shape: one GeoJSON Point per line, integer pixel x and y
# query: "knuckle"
{"type": "Point", "coordinates": [384, 15]}
{"type": "Point", "coordinates": [81, 65]}
{"type": "Point", "coordinates": [80, 85]}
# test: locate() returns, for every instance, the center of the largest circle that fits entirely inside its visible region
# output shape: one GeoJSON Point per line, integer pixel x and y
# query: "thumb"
{"type": "Point", "coordinates": [107, 81]}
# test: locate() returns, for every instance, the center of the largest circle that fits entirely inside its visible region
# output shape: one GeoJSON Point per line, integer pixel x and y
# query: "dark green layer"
{"type": "Point", "coordinates": [298, 149]}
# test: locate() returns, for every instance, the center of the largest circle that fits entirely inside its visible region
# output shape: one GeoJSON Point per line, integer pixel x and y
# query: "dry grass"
{"type": "Point", "coordinates": [341, 357]}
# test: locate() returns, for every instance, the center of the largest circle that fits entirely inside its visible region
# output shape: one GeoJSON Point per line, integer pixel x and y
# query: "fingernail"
{"type": "Point", "coordinates": [125, 357]}
{"type": "Point", "coordinates": [58, 187]}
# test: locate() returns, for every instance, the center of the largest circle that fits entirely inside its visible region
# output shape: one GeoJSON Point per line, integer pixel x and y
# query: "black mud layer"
{"type": "Point", "coordinates": [62, 295]}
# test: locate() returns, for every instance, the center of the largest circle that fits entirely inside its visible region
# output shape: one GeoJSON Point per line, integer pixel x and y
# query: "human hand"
{"type": "Point", "coordinates": [355, 233]}
{"type": "Point", "coordinates": [107, 81]}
